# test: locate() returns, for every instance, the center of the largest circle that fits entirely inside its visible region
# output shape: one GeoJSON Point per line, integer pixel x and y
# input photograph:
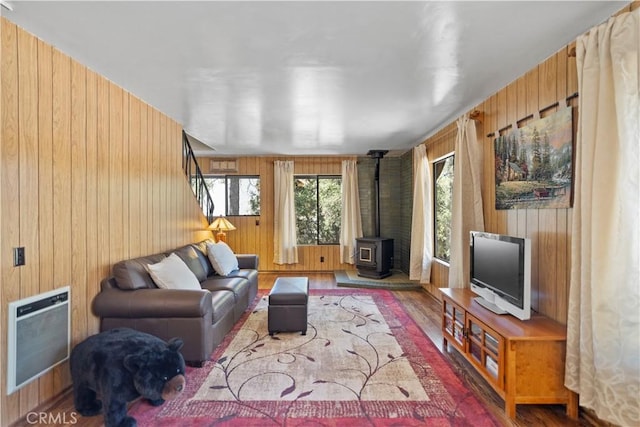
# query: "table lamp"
{"type": "Point", "coordinates": [220, 225]}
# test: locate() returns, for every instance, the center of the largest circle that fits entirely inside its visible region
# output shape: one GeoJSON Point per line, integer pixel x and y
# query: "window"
{"type": "Point", "coordinates": [443, 198]}
{"type": "Point", "coordinates": [234, 195]}
{"type": "Point", "coordinates": [318, 201]}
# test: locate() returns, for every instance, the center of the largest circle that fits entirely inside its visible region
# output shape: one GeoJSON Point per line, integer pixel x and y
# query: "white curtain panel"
{"type": "Point", "coordinates": [603, 326]}
{"type": "Point", "coordinates": [284, 222]}
{"type": "Point", "coordinates": [421, 255]}
{"type": "Point", "coordinates": [467, 200]}
{"type": "Point", "coordinates": [351, 222]}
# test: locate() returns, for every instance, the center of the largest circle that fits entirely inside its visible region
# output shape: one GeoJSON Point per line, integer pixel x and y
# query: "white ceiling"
{"type": "Point", "coordinates": [310, 78]}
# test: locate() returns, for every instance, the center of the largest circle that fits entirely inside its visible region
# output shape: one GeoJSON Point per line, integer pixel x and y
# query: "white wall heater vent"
{"type": "Point", "coordinates": [38, 336]}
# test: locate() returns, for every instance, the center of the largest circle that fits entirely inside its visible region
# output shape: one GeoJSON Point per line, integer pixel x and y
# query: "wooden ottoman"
{"type": "Point", "coordinates": [288, 301]}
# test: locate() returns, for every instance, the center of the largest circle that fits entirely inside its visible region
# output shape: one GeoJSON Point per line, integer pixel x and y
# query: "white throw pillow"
{"type": "Point", "coordinates": [173, 273]}
{"type": "Point", "coordinates": [222, 258]}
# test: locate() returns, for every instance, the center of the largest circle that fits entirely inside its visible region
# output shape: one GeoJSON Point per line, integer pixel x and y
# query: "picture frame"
{"type": "Point", "coordinates": [534, 164]}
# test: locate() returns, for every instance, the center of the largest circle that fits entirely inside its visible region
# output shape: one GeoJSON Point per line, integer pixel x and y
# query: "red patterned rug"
{"type": "Point", "coordinates": [363, 362]}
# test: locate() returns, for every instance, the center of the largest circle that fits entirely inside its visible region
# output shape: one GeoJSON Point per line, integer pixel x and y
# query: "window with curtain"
{"type": "Point", "coordinates": [318, 204]}
{"type": "Point", "coordinates": [234, 195]}
{"type": "Point", "coordinates": [443, 203]}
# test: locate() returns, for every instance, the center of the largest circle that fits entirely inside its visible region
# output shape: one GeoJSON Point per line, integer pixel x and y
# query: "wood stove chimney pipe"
{"type": "Point", "coordinates": [377, 154]}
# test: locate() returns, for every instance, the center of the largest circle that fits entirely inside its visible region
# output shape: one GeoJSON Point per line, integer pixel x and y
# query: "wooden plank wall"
{"type": "Point", "coordinates": [89, 175]}
{"type": "Point", "coordinates": [254, 234]}
{"type": "Point", "coordinates": [549, 229]}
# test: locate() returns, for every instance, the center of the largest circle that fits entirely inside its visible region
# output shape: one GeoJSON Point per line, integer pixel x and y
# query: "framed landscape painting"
{"type": "Point", "coordinates": [534, 164]}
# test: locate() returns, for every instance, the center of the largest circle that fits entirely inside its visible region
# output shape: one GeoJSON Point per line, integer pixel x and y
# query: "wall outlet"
{"type": "Point", "coordinates": [321, 259]}
{"type": "Point", "coordinates": [18, 257]}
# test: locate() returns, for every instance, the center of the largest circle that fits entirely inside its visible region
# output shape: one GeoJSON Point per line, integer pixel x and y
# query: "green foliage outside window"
{"type": "Point", "coordinates": [443, 200]}
{"type": "Point", "coordinates": [306, 197]}
{"type": "Point", "coordinates": [330, 212]}
{"type": "Point", "coordinates": [318, 204]}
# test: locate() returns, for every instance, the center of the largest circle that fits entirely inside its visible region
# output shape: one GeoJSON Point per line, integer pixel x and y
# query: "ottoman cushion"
{"type": "Point", "coordinates": [289, 291]}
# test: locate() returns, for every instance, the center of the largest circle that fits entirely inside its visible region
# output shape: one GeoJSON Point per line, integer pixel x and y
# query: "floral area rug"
{"type": "Point", "coordinates": [363, 362]}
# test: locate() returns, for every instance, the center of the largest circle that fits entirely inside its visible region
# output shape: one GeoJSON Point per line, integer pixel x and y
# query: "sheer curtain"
{"type": "Point", "coordinates": [603, 326]}
{"type": "Point", "coordinates": [284, 222]}
{"type": "Point", "coordinates": [351, 222]}
{"type": "Point", "coordinates": [466, 212]}
{"type": "Point", "coordinates": [421, 254]}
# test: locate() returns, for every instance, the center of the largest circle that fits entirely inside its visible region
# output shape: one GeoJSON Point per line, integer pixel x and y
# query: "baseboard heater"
{"type": "Point", "coordinates": [38, 336]}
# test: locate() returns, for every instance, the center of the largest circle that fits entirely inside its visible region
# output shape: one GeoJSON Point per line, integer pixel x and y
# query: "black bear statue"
{"type": "Point", "coordinates": [115, 367]}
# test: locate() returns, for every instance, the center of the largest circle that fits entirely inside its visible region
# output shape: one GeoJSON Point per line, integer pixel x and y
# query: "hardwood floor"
{"type": "Point", "coordinates": [425, 310]}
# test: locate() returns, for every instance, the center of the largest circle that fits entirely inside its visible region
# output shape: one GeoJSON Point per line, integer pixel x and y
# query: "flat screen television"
{"type": "Point", "coordinates": [501, 273]}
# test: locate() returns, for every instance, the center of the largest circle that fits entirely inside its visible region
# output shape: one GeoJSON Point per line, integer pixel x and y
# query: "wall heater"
{"type": "Point", "coordinates": [38, 336]}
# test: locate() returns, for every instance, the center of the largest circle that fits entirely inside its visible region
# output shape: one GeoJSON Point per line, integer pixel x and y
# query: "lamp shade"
{"type": "Point", "coordinates": [221, 224]}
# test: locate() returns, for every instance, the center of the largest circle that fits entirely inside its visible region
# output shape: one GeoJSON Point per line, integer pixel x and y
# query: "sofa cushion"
{"type": "Point", "coordinates": [173, 273]}
{"type": "Point", "coordinates": [201, 250]}
{"type": "Point", "coordinates": [237, 285]}
{"type": "Point", "coordinates": [189, 255]}
{"type": "Point", "coordinates": [249, 274]}
{"type": "Point", "coordinates": [222, 302]}
{"type": "Point", "coordinates": [222, 258]}
{"type": "Point", "coordinates": [133, 274]}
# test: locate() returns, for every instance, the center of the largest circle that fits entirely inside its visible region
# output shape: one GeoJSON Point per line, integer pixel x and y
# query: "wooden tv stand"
{"type": "Point", "coordinates": [522, 360]}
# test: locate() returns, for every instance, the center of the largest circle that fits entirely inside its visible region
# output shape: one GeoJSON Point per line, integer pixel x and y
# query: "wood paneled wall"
{"type": "Point", "coordinates": [554, 80]}
{"type": "Point", "coordinates": [254, 234]}
{"type": "Point", "coordinates": [89, 175]}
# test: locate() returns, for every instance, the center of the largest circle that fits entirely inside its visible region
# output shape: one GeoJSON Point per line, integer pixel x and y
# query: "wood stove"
{"type": "Point", "coordinates": [374, 255]}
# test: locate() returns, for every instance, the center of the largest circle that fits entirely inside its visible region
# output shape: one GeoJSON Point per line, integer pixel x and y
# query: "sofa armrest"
{"type": "Point", "coordinates": [152, 303]}
{"type": "Point", "coordinates": [247, 261]}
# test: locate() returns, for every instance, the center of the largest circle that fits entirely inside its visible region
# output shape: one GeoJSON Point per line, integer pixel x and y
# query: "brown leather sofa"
{"type": "Point", "coordinates": [130, 298]}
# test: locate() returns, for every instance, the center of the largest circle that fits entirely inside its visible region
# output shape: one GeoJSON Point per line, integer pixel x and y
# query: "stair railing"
{"type": "Point", "coordinates": [195, 177]}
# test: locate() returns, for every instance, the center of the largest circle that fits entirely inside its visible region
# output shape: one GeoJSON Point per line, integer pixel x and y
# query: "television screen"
{"type": "Point", "coordinates": [501, 273]}
{"type": "Point", "coordinates": [497, 264]}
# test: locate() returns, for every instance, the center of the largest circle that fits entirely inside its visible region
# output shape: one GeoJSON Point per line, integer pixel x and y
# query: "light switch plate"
{"type": "Point", "coordinates": [18, 256]}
